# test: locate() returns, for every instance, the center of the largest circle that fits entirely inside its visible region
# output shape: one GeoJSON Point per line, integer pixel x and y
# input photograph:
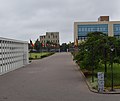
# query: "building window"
{"type": "Point", "coordinates": [92, 29]}
{"type": "Point", "coordinates": [116, 28]}
{"type": "Point", "coordinates": [53, 36]}
{"type": "Point", "coordinates": [89, 29]}
{"type": "Point", "coordinates": [98, 29]}
{"type": "Point", "coordinates": [83, 30]}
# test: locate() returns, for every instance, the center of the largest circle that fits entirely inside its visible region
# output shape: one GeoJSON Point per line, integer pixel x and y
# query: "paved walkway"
{"type": "Point", "coordinates": [50, 79]}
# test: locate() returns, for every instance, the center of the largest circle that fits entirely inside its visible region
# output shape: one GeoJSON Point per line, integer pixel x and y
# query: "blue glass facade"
{"type": "Point", "coordinates": [83, 30]}
{"type": "Point", "coordinates": [116, 28]}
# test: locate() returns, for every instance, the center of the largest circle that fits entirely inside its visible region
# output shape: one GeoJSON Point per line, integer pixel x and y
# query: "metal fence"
{"type": "Point", "coordinates": [13, 54]}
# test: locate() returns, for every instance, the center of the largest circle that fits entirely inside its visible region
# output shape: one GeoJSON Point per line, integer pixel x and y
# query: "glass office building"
{"type": "Point", "coordinates": [110, 28]}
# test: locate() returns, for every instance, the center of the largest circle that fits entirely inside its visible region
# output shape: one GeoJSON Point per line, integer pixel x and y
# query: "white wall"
{"type": "Point", "coordinates": [13, 54]}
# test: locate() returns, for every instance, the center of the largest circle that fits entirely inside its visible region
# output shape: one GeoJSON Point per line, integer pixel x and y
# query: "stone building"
{"type": "Point", "coordinates": [52, 37]}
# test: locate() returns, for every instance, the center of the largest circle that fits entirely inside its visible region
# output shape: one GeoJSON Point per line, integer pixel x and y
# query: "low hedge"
{"type": "Point", "coordinates": [46, 55]}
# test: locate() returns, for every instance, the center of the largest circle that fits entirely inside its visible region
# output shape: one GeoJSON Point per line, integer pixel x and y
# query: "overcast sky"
{"type": "Point", "coordinates": [28, 19]}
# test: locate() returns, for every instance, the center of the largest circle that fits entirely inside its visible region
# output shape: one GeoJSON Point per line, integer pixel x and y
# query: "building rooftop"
{"type": "Point", "coordinates": [103, 18]}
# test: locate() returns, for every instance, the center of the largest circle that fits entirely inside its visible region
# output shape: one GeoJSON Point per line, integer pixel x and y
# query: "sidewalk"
{"type": "Point", "coordinates": [55, 78]}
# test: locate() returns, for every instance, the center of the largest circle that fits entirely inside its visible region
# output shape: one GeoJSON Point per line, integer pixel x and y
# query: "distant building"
{"type": "Point", "coordinates": [81, 29]}
{"type": "Point", "coordinates": [52, 37]}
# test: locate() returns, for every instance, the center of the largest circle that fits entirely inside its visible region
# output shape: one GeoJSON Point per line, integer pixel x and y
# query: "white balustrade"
{"type": "Point", "coordinates": [13, 54]}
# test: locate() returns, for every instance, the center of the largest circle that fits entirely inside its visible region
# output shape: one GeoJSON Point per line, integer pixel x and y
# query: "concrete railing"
{"type": "Point", "coordinates": [13, 54]}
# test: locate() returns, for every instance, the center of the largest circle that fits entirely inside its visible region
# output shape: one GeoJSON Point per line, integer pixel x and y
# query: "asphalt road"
{"type": "Point", "coordinates": [50, 79]}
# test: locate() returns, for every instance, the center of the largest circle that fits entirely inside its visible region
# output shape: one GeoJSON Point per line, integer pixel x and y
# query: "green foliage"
{"type": "Point", "coordinates": [97, 53]}
{"type": "Point", "coordinates": [96, 49]}
{"type": "Point", "coordinates": [46, 55]}
{"type": "Point", "coordinates": [37, 45]}
{"type": "Point", "coordinates": [64, 47]}
{"type": "Point", "coordinates": [116, 74]}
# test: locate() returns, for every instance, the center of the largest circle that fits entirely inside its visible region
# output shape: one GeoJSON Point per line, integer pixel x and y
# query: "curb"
{"type": "Point", "coordinates": [89, 86]}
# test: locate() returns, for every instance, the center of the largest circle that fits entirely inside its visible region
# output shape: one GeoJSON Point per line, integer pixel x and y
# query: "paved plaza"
{"type": "Point", "coordinates": [54, 78]}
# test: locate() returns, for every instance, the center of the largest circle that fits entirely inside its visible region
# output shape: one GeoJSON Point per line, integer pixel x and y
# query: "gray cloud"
{"type": "Point", "coordinates": [27, 19]}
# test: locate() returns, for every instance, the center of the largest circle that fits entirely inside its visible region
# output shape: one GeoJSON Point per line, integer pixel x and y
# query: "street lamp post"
{"type": "Point", "coordinates": [92, 65]}
{"type": "Point", "coordinates": [111, 61]}
{"type": "Point", "coordinates": [105, 64]}
{"type": "Point", "coordinates": [92, 60]}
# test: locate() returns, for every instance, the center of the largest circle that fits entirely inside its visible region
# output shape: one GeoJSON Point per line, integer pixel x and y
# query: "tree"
{"type": "Point", "coordinates": [71, 46]}
{"type": "Point", "coordinates": [96, 50]}
{"type": "Point", "coordinates": [37, 45]}
{"type": "Point", "coordinates": [64, 47]}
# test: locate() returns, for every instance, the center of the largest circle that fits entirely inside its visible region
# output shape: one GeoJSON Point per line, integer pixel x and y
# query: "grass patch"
{"type": "Point", "coordinates": [116, 76]}
{"type": "Point", "coordinates": [39, 55]}
{"type": "Point", "coordinates": [93, 84]}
